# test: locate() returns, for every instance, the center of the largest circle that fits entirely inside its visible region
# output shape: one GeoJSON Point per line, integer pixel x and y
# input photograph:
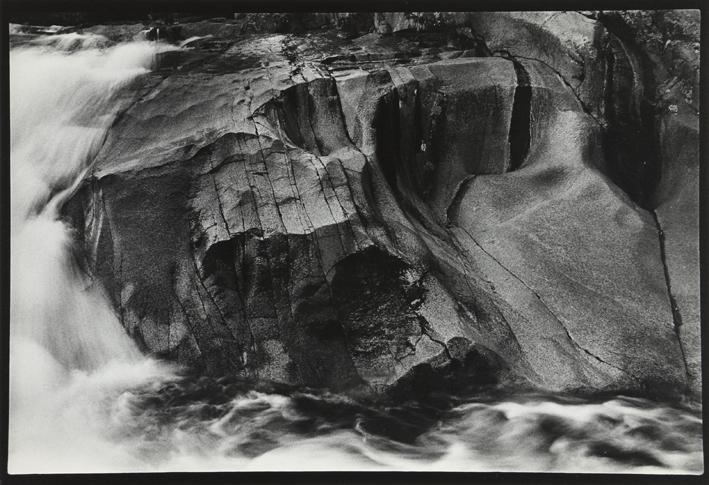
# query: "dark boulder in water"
{"type": "Point", "coordinates": [430, 200]}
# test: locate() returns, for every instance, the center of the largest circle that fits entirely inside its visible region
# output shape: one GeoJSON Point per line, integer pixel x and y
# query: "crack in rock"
{"type": "Point", "coordinates": [566, 331]}
{"type": "Point", "coordinates": [676, 314]}
{"type": "Point", "coordinates": [423, 323]}
{"type": "Point", "coordinates": [520, 123]}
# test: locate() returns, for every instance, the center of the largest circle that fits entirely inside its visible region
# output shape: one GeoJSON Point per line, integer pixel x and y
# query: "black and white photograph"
{"type": "Point", "coordinates": [353, 241]}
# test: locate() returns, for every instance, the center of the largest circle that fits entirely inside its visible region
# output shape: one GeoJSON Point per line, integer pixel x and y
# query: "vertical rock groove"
{"type": "Point", "coordinates": [631, 146]}
{"type": "Point", "coordinates": [520, 123]}
{"type": "Point", "coordinates": [676, 315]}
{"type": "Point", "coordinates": [608, 94]}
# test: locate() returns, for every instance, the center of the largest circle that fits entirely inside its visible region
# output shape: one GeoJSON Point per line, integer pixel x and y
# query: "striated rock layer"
{"type": "Point", "coordinates": [448, 198]}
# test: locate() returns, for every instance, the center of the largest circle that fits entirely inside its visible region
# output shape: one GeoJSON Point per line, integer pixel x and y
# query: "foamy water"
{"type": "Point", "coordinates": [63, 332]}
{"type": "Point", "coordinates": [84, 399]}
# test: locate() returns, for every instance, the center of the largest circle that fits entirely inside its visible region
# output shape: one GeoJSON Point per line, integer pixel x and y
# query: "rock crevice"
{"type": "Point", "coordinates": [520, 122]}
{"type": "Point", "coordinates": [676, 314]}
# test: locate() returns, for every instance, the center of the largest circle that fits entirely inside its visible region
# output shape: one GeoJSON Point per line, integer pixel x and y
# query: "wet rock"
{"type": "Point", "coordinates": [677, 215]}
{"type": "Point", "coordinates": [665, 46]}
{"type": "Point", "coordinates": [426, 206]}
{"type": "Point", "coordinates": [534, 224]}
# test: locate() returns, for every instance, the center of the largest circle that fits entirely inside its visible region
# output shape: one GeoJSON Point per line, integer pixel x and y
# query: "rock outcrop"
{"type": "Point", "coordinates": [668, 47]}
{"type": "Point", "coordinates": [476, 197]}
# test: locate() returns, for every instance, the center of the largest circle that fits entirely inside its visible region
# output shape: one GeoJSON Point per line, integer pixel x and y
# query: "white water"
{"type": "Point", "coordinates": [66, 345]}
{"type": "Point", "coordinates": [83, 399]}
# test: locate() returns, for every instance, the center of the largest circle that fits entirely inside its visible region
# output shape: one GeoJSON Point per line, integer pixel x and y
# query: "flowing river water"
{"type": "Point", "coordinates": [84, 399]}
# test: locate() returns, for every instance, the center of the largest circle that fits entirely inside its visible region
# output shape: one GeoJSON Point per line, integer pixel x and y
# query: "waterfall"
{"type": "Point", "coordinates": [63, 331]}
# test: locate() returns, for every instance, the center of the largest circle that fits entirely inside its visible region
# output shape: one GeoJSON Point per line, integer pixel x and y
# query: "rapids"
{"type": "Point", "coordinates": [84, 399]}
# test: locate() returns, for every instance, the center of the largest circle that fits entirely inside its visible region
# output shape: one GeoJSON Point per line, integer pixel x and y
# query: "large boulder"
{"type": "Point", "coordinates": [343, 217]}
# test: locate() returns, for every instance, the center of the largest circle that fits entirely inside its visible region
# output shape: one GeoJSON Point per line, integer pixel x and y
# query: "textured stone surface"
{"type": "Point", "coordinates": [327, 206]}
{"type": "Point", "coordinates": [670, 42]}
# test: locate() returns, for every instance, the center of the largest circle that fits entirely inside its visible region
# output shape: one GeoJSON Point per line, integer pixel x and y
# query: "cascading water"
{"type": "Point", "coordinates": [83, 398]}
{"type": "Point", "coordinates": [63, 333]}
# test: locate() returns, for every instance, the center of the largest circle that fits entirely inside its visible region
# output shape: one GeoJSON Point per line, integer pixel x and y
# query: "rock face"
{"type": "Point", "coordinates": [449, 196]}
{"type": "Point", "coordinates": [670, 47]}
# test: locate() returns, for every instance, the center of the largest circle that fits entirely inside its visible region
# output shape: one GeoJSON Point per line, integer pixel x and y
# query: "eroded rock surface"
{"type": "Point", "coordinates": [432, 197]}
